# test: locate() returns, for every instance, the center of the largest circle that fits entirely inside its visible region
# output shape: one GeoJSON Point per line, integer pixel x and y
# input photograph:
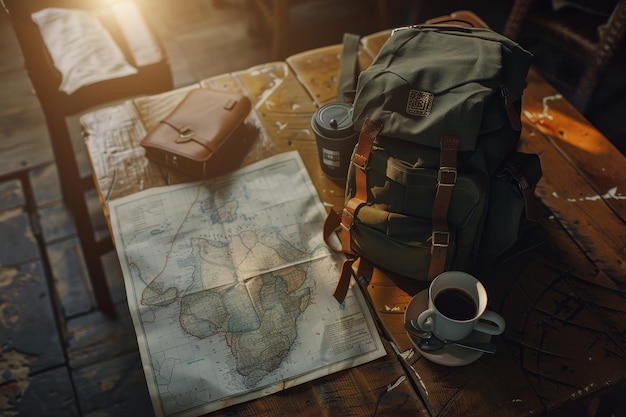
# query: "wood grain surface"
{"type": "Point", "coordinates": [563, 300]}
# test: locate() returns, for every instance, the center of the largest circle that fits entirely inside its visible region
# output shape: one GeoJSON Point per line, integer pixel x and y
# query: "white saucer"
{"type": "Point", "coordinates": [450, 355]}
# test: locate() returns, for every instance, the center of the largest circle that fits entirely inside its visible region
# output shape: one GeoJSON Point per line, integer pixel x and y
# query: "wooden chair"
{"type": "Point", "coordinates": [590, 40]}
{"type": "Point", "coordinates": [57, 106]}
{"type": "Point", "coordinates": [275, 13]}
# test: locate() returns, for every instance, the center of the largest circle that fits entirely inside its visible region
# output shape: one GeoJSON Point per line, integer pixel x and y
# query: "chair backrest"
{"type": "Point", "coordinates": [590, 38]}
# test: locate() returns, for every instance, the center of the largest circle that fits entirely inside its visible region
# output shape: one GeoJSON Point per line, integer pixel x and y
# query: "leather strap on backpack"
{"type": "Point", "coordinates": [446, 180]}
{"type": "Point", "coordinates": [348, 74]}
{"type": "Point", "coordinates": [369, 131]}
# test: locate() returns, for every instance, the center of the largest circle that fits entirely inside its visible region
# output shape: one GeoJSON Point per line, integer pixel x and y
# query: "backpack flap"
{"type": "Point", "coordinates": [433, 80]}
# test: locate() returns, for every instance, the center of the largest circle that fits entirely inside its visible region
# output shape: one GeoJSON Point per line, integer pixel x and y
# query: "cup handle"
{"type": "Point", "coordinates": [491, 323]}
{"type": "Point", "coordinates": [425, 320]}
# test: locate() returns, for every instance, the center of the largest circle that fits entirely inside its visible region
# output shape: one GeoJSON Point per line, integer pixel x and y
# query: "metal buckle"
{"type": "Point", "coordinates": [343, 226]}
{"type": "Point", "coordinates": [185, 136]}
{"type": "Point", "coordinates": [445, 237]}
{"type": "Point", "coordinates": [398, 29]}
{"type": "Point", "coordinates": [359, 167]}
{"type": "Point", "coordinates": [446, 170]}
{"type": "Point", "coordinates": [354, 160]}
{"type": "Point", "coordinates": [522, 183]}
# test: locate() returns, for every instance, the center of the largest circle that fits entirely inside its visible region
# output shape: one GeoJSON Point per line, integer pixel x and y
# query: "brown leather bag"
{"type": "Point", "coordinates": [189, 138]}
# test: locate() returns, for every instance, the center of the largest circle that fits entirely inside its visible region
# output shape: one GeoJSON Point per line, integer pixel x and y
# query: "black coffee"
{"type": "Point", "coordinates": [455, 304]}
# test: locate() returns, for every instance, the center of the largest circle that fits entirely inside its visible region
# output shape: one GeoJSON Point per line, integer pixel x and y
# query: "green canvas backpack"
{"type": "Point", "coordinates": [435, 181]}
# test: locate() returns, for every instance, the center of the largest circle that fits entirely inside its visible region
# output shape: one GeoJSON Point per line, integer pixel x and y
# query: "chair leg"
{"type": "Point", "coordinates": [73, 189]}
{"type": "Point", "coordinates": [92, 251]}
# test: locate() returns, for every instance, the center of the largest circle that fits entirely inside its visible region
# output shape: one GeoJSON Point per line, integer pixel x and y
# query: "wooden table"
{"type": "Point", "coordinates": [563, 302]}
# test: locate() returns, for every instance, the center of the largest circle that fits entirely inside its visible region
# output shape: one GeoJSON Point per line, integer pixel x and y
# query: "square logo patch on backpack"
{"type": "Point", "coordinates": [419, 103]}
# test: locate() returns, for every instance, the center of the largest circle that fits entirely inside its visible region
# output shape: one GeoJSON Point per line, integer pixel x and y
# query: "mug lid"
{"type": "Point", "coordinates": [334, 120]}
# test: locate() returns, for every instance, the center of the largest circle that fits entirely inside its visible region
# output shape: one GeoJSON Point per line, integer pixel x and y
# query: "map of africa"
{"type": "Point", "coordinates": [230, 284]}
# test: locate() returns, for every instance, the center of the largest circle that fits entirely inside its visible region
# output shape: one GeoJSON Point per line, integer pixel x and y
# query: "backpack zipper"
{"type": "Point", "coordinates": [514, 118]}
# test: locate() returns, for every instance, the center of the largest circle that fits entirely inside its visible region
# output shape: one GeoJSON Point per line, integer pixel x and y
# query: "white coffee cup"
{"type": "Point", "coordinates": [457, 306]}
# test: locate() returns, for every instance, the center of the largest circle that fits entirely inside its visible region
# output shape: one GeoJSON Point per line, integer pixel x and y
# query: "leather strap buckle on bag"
{"type": "Point", "coordinates": [348, 215]}
{"type": "Point", "coordinates": [185, 136]}
{"type": "Point", "coordinates": [440, 239]}
{"type": "Point", "coordinates": [446, 176]}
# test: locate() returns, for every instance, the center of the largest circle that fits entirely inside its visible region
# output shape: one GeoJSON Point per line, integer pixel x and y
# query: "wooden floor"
{"type": "Point", "coordinates": [59, 356]}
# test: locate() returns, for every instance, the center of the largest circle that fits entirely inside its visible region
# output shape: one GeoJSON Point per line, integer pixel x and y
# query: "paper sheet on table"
{"type": "Point", "coordinates": [230, 285]}
{"type": "Point", "coordinates": [83, 50]}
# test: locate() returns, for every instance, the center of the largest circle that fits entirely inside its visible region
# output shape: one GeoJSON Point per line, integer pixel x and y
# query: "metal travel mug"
{"type": "Point", "coordinates": [335, 137]}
